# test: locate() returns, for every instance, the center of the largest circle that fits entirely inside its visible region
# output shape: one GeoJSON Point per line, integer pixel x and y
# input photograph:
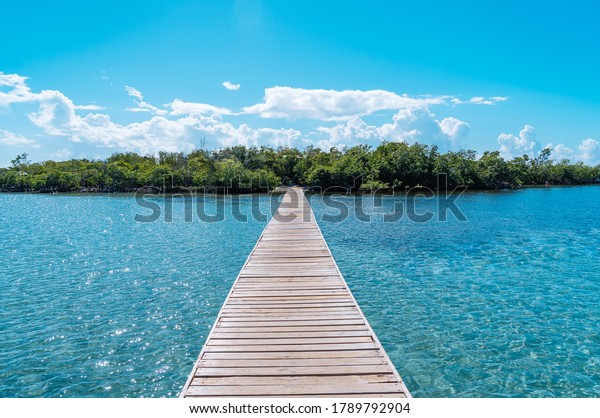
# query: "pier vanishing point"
{"type": "Point", "coordinates": [290, 325]}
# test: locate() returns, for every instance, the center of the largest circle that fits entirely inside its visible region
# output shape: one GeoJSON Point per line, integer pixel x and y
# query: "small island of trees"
{"type": "Point", "coordinates": [240, 169]}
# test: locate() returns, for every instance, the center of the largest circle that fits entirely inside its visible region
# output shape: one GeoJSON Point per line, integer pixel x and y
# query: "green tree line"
{"type": "Point", "coordinates": [241, 169]}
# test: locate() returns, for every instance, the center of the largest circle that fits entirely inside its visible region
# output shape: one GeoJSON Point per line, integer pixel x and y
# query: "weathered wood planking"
{"type": "Point", "coordinates": [290, 326]}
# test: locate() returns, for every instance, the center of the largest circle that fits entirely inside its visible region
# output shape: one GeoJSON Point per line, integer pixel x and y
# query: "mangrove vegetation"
{"type": "Point", "coordinates": [394, 165]}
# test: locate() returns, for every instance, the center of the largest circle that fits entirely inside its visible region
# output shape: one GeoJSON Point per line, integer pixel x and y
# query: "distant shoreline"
{"type": "Point", "coordinates": [391, 166]}
{"type": "Point", "coordinates": [381, 192]}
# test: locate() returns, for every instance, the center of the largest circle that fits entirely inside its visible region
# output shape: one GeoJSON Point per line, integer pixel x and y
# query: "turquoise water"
{"type": "Point", "coordinates": [96, 304]}
{"type": "Point", "coordinates": [506, 304]}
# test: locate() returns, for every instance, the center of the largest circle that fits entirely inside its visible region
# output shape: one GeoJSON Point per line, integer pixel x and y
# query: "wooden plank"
{"type": "Point", "coordinates": [296, 390]}
{"type": "Point", "coordinates": [295, 334]}
{"type": "Point", "coordinates": [290, 325]}
{"type": "Point", "coordinates": [279, 328]}
{"type": "Point", "coordinates": [283, 305]}
{"type": "Point", "coordinates": [224, 322]}
{"type": "Point", "coordinates": [291, 380]}
{"type": "Point", "coordinates": [289, 363]}
{"type": "Point", "coordinates": [293, 371]}
{"type": "Point", "coordinates": [290, 347]}
{"type": "Point", "coordinates": [294, 293]}
{"type": "Point", "coordinates": [248, 285]}
{"type": "Point", "coordinates": [287, 279]}
{"type": "Point", "coordinates": [287, 317]}
{"type": "Point", "coordinates": [292, 355]}
{"type": "Point", "coordinates": [215, 340]}
{"type": "Point", "coordinates": [294, 305]}
{"type": "Point", "coordinates": [290, 311]}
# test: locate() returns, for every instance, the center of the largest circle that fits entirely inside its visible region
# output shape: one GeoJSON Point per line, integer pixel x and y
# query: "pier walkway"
{"type": "Point", "coordinates": [290, 326]}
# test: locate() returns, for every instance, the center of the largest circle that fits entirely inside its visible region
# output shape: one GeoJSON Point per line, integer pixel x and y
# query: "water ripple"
{"type": "Point", "coordinates": [95, 304]}
{"type": "Point", "coordinates": [505, 304]}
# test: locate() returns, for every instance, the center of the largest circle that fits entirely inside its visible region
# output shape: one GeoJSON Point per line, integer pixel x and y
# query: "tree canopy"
{"type": "Point", "coordinates": [242, 169]}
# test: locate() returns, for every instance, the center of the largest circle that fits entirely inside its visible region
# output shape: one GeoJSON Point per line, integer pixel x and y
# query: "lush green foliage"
{"type": "Point", "coordinates": [241, 169]}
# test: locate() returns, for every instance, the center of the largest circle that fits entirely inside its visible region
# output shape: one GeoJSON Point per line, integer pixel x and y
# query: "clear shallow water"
{"type": "Point", "coordinates": [507, 304]}
{"type": "Point", "coordinates": [96, 304]}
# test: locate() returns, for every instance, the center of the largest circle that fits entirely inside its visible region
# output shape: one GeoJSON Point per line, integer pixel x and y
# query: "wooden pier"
{"type": "Point", "coordinates": [290, 326]}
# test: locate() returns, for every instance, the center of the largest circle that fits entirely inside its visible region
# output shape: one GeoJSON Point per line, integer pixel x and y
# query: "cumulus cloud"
{"type": "Point", "coordinates": [14, 140]}
{"type": "Point", "coordinates": [177, 130]}
{"type": "Point", "coordinates": [561, 152]}
{"type": "Point", "coordinates": [456, 130]}
{"type": "Point", "coordinates": [332, 105]}
{"type": "Point", "coordinates": [178, 125]}
{"type": "Point", "coordinates": [284, 138]}
{"type": "Point", "coordinates": [327, 144]}
{"type": "Point", "coordinates": [179, 107]}
{"type": "Point", "coordinates": [15, 89]}
{"type": "Point", "coordinates": [420, 124]}
{"type": "Point", "coordinates": [589, 151]}
{"type": "Point", "coordinates": [512, 146]}
{"type": "Point", "coordinates": [89, 107]}
{"type": "Point", "coordinates": [141, 105]}
{"type": "Point", "coordinates": [57, 117]}
{"type": "Point", "coordinates": [231, 86]}
{"type": "Point", "coordinates": [133, 92]}
{"type": "Point", "coordinates": [62, 154]}
{"type": "Point", "coordinates": [355, 128]}
{"type": "Point", "coordinates": [408, 125]}
{"type": "Point", "coordinates": [224, 133]}
{"type": "Point", "coordinates": [340, 105]}
{"type": "Point", "coordinates": [56, 113]}
{"type": "Point", "coordinates": [479, 100]}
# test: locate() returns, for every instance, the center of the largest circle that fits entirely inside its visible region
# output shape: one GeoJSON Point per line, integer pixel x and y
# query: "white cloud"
{"type": "Point", "coordinates": [62, 154]}
{"type": "Point", "coordinates": [284, 138]}
{"type": "Point", "coordinates": [355, 128]}
{"type": "Point", "coordinates": [340, 105]}
{"type": "Point", "coordinates": [14, 140]}
{"type": "Point", "coordinates": [408, 125]}
{"type": "Point", "coordinates": [420, 124]}
{"type": "Point", "coordinates": [231, 86]}
{"type": "Point", "coordinates": [561, 152]}
{"type": "Point", "coordinates": [177, 130]}
{"type": "Point", "coordinates": [141, 105]}
{"type": "Point", "coordinates": [138, 109]}
{"type": "Point", "coordinates": [133, 92]}
{"type": "Point", "coordinates": [178, 125]}
{"type": "Point", "coordinates": [479, 100]}
{"type": "Point", "coordinates": [225, 134]}
{"type": "Point", "coordinates": [590, 151]}
{"type": "Point", "coordinates": [57, 117]}
{"type": "Point", "coordinates": [56, 113]}
{"type": "Point", "coordinates": [179, 107]}
{"type": "Point", "coordinates": [456, 130]}
{"type": "Point", "coordinates": [327, 144]}
{"type": "Point", "coordinates": [512, 146]}
{"type": "Point", "coordinates": [18, 91]}
{"type": "Point", "coordinates": [332, 105]}
{"type": "Point", "coordinates": [89, 107]}
{"type": "Point", "coordinates": [587, 151]}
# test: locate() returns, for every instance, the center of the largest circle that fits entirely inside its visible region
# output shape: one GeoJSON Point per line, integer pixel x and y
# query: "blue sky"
{"type": "Point", "coordinates": [92, 78]}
